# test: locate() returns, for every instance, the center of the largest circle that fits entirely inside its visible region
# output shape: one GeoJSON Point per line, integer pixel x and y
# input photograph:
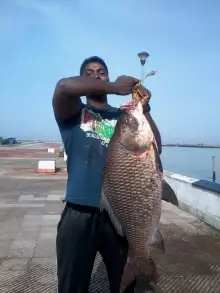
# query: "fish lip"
{"type": "Point", "coordinates": [128, 106]}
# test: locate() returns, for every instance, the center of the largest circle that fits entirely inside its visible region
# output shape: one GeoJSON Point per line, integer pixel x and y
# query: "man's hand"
{"type": "Point", "coordinates": [142, 94]}
{"type": "Point", "coordinates": [124, 85]}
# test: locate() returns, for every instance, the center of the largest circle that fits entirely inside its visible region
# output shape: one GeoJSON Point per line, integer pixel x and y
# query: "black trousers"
{"type": "Point", "coordinates": [81, 232]}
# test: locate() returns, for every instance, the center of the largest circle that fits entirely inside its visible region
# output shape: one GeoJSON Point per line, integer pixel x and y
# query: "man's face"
{"type": "Point", "coordinates": [96, 70]}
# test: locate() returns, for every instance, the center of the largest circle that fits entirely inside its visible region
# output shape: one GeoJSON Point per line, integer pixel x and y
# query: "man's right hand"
{"type": "Point", "coordinates": [124, 85]}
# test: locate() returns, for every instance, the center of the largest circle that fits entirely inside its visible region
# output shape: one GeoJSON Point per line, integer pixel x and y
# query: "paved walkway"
{"type": "Point", "coordinates": [29, 212]}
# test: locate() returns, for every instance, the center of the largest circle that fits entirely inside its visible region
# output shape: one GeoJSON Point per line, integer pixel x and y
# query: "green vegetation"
{"type": "Point", "coordinates": [3, 141]}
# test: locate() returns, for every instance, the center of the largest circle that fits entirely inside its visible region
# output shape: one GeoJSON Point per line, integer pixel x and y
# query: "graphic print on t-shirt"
{"type": "Point", "coordinates": [96, 127]}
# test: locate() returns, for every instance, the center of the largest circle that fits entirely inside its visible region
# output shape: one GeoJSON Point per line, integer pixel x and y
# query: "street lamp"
{"type": "Point", "coordinates": [143, 57]}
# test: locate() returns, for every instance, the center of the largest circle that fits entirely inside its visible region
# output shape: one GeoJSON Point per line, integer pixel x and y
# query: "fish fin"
{"type": "Point", "coordinates": [105, 205]}
{"type": "Point", "coordinates": [157, 241]}
{"type": "Point", "coordinates": [144, 286]}
{"type": "Point", "coordinates": [139, 269]}
{"type": "Point", "coordinates": [168, 194]}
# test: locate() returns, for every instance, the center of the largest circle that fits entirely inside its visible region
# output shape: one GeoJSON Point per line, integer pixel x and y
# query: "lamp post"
{"type": "Point", "coordinates": [143, 57]}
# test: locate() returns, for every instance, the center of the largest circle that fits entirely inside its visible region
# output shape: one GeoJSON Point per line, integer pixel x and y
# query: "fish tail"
{"type": "Point", "coordinates": [143, 269]}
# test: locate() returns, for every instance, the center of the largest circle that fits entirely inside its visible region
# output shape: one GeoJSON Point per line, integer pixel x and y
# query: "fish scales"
{"type": "Point", "coordinates": [133, 188]}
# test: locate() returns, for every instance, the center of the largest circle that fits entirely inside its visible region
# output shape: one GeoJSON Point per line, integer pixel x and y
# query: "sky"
{"type": "Point", "coordinates": [42, 41]}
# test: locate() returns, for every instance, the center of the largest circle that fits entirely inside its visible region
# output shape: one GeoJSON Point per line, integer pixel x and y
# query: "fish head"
{"type": "Point", "coordinates": [132, 116]}
{"type": "Point", "coordinates": [134, 133]}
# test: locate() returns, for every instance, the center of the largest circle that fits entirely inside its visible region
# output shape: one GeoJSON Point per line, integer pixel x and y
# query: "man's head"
{"type": "Point", "coordinates": [95, 67]}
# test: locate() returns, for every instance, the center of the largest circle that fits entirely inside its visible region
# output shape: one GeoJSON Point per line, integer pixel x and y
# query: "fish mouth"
{"type": "Point", "coordinates": [129, 106]}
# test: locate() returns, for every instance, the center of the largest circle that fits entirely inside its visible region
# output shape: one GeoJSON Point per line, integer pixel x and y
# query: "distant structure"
{"type": "Point", "coordinates": [8, 141]}
{"type": "Point", "coordinates": [12, 140]}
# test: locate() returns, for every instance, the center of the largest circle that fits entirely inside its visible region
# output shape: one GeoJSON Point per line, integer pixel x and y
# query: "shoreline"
{"type": "Point", "coordinates": [192, 146]}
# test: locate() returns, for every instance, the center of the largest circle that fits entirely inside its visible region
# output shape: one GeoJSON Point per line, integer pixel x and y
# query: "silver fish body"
{"type": "Point", "coordinates": [132, 190]}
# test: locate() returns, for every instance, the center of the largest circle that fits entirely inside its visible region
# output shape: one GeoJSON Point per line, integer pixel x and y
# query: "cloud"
{"type": "Point", "coordinates": [47, 8]}
{"type": "Point", "coordinates": [16, 16]}
{"type": "Point", "coordinates": [56, 15]}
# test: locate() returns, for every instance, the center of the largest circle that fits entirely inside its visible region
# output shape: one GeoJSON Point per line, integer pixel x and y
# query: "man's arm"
{"type": "Point", "coordinates": [68, 91]}
{"type": "Point", "coordinates": [155, 131]}
{"type": "Point", "coordinates": [66, 99]}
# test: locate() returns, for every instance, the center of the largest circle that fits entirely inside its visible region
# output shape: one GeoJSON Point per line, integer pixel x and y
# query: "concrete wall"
{"type": "Point", "coordinates": [200, 198]}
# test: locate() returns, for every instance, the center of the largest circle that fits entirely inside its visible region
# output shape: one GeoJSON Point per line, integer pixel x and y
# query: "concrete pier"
{"type": "Point", "coordinates": [30, 208]}
{"type": "Point", "coordinates": [200, 198]}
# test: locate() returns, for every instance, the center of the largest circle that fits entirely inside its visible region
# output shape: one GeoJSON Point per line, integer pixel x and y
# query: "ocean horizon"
{"type": "Point", "coordinates": [191, 162]}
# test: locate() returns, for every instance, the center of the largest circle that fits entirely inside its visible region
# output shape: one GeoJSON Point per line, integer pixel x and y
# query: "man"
{"type": "Point", "coordinates": [86, 129]}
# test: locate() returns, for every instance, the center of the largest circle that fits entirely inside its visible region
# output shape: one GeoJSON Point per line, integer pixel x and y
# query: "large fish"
{"type": "Point", "coordinates": [132, 191]}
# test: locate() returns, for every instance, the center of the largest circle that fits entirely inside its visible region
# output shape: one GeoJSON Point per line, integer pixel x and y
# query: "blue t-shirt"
{"type": "Point", "coordinates": [86, 138]}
